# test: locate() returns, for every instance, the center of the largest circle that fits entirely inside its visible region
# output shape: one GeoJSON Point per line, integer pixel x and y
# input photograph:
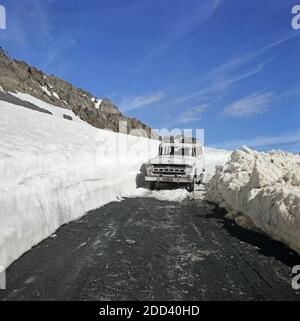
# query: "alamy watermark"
{"type": "Point", "coordinates": [132, 146]}
{"type": "Point", "coordinates": [296, 278]}
{"type": "Point", "coordinates": [2, 17]}
{"type": "Point", "coordinates": [2, 278]}
{"type": "Point", "coordinates": [296, 18]}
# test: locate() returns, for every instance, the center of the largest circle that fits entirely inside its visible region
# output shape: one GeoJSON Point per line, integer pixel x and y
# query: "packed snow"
{"type": "Point", "coordinates": [265, 187]}
{"type": "Point", "coordinates": [54, 110]}
{"type": "Point", "coordinates": [53, 171]}
{"type": "Point", "coordinates": [213, 158]}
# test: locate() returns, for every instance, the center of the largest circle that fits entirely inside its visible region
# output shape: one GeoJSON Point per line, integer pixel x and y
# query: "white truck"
{"type": "Point", "coordinates": [180, 160]}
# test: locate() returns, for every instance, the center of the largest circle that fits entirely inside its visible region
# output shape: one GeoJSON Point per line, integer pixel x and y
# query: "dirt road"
{"type": "Point", "coordinates": [146, 249]}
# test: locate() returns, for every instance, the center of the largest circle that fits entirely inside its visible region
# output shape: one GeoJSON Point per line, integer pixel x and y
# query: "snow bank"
{"type": "Point", "coordinates": [53, 171]}
{"type": "Point", "coordinates": [265, 187]}
{"type": "Point", "coordinates": [213, 158]}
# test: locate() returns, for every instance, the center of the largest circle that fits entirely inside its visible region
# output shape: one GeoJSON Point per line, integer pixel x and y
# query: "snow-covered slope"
{"type": "Point", "coordinates": [266, 188]}
{"type": "Point", "coordinates": [53, 171]}
{"type": "Point", "coordinates": [54, 110]}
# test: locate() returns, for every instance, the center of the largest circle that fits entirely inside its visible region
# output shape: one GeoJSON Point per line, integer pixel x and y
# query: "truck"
{"type": "Point", "coordinates": [180, 161]}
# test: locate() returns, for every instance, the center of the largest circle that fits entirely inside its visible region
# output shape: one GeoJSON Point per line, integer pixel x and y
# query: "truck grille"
{"type": "Point", "coordinates": [178, 170]}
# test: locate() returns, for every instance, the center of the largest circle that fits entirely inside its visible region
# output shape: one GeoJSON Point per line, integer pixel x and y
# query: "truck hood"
{"type": "Point", "coordinates": [173, 160]}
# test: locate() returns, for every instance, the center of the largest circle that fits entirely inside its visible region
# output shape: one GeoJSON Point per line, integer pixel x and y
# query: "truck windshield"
{"type": "Point", "coordinates": [177, 151]}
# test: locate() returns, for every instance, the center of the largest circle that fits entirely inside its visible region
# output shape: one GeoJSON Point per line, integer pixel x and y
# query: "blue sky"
{"type": "Point", "coordinates": [228, 66]}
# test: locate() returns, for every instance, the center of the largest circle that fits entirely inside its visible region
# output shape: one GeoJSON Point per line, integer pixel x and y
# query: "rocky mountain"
{"type": "Point", "coordinates": [18, 76]}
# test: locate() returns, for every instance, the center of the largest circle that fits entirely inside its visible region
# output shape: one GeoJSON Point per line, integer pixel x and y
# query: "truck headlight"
{"type": "Point", "coordinates": [188, 170]}
{"type": "Point", "coordinates": [149, 168]}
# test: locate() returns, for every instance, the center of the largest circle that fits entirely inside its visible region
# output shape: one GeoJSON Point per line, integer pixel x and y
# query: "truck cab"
{"type": "Point", "coordinates": [180, 160]}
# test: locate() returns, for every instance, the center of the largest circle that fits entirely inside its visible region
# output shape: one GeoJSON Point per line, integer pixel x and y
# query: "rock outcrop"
{"type": "Point", "coordinates": [18, 76]}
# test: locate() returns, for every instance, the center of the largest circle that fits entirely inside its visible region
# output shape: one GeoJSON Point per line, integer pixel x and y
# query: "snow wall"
{"type": "Point", "coordinates": [53, 171]}
{"type": "Point", "coordinates": [265, 187]}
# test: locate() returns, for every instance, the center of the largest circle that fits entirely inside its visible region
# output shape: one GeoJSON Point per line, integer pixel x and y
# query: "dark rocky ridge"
{"type": "Point", "coordinates": [18, 76]}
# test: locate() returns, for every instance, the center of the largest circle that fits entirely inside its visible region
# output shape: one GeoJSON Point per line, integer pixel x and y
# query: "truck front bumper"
{"type": "Point", "coordinates": [169, 179]}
